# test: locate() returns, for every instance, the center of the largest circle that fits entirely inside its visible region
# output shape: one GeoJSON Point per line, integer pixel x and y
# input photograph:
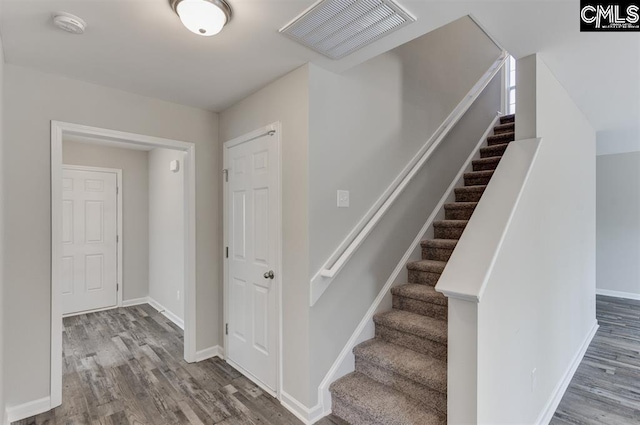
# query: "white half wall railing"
{"type": "Point", "coordinates": [465, 278]}
{"type": "Point", "coordinates": [470, 265]}
{"type": "Point", "coordinates": [324, 277]}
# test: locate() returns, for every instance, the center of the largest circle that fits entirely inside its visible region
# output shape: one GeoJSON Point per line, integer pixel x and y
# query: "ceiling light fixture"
{"type": "Point", "coordinates": [202, 17]}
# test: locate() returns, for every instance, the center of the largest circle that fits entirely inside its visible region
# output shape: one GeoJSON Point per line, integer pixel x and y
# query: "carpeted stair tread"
{"type": "Point", "coordinates": [449, 229]}
{"type": "Point", "coordinates": [495, 150]}
{"type": "Point", "coordinates": [500, 138]}
{"type": "Point", "coordinates": [475, 178]}
{"type": "Point", "coordinates": [507, 119]}
{"type": "Point", "coordinates": [419, 292]}
{"type": "Point", "coordinates": [460, 206]}
{"type": "Point", "coordinates": [424, 369]}
{"type": "Point", "coordinates": [414, 324]}
{"type": "Point", "coordinates": [450, 223]}
{"type": "Point", "coordinates": [439, 243]}
{"type": "Point", "coordinates": [484, 173]}
{"type": "Point", "coordinates": [486, 164]}
{"type": "Point", "coordinates": [431, 266]}
{"type": "Point", "coordinates": [372, 403]}
{"type": "Point", "coordinates": [467, 189]}
{"type": "Point", "coordinates": [469, 193]}
{"type": "Point", "coordinates": [460, 210]}
{"type": "Point", "coordinates": [504, 128]}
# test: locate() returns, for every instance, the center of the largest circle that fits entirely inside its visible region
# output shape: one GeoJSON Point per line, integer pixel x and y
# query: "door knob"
{"type": "Point", "coordinates": [269, 275]}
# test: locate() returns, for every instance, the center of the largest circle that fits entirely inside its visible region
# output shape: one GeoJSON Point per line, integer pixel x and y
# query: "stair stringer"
{"type": "Point", "coordinates": [345, 362]}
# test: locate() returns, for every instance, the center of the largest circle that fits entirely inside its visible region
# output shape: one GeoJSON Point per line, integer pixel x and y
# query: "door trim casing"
{"type": "Point", "coordinates": [117, 138]}
{"type": "Point", "coordinates": [276, 129]}
{"type": "Point", "coordinates": [119, 243]}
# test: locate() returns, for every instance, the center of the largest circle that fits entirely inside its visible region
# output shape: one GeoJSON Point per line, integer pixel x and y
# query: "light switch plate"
{"type": "Point", "coordinates": [343, 199]}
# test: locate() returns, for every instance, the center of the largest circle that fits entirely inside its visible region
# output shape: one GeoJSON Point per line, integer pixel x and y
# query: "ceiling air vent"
{"type": "Point", "coordinates": [337, 28]}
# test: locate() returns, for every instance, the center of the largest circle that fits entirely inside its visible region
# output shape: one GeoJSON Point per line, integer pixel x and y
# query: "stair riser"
{"type": "Point", "coordinates": [412, 342]}
{"type": "Point", "coordinates": [438, 254]}
{"type": "Point", "coordinates": [447, 232]}
{"type": "Point", "coordinates": [476, 181]}
{"type": "Point", "coordinates": [492, 151]}
{"type": "Point", "coordinates": [458, 214]}
{"type": "Point", "coordinates": [423, 278]}
{"type": "Point", "coordinates": [485, 166]}
{"type": "Point", "coordinates": [469, 196]}
{"type": "Point", "coordinates": [420, 307]}
{"type": "Point", "coordinates": [500, 139]}
{"type": "Point", "coordinates": [507, 119]}
{"type": "Point", "coordinates": [509, 129]}
{"type": "Point", "coordinates": [435, 399]}
{"type": "Point", "coordinates": [344, 411]}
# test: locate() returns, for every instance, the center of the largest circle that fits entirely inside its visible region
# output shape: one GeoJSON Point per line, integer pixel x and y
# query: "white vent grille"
{"type": "Point", "coordinates": [337, 28]}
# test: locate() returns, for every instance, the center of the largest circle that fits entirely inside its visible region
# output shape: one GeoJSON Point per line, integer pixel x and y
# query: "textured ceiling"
{"type": "Point", "coordinates": [140, 46]}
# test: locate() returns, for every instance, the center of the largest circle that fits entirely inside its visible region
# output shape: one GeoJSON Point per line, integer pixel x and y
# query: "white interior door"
{"type": "Point", "coordinates": [253, 227]}
{"type": "Point", "coordinates": [89, 229]}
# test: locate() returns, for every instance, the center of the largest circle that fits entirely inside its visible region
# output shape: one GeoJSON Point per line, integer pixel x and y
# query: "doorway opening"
{"type": "Point", "coordinates": [95, 222]}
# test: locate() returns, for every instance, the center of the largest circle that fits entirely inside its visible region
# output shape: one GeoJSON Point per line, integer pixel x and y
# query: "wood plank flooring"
{"type": "Point", "coordinates": [606, 387]}
{"type": "Point", "coordinates": [125, 366]}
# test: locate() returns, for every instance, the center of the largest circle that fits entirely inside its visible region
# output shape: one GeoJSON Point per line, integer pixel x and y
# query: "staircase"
{"type": "Point", "coordinates": [401, 374]}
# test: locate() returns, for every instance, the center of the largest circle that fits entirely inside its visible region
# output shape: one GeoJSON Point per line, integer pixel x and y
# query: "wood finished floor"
{"type": "Point", "coordinates": [606, 387]}
{"type": "Point", "coordinates": [125, 366]}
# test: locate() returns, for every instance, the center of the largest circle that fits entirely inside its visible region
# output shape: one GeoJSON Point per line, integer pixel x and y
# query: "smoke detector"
{"type": "Point", "coordinates": [69, 23]}
{"type": "Point", "coordinates": [337, 28]}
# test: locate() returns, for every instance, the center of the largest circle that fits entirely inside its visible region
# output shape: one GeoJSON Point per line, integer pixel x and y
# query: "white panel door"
{"type": "Point", "coordinates": [89, 228]}
{"type": "Point", "coordinates": [253, 227]}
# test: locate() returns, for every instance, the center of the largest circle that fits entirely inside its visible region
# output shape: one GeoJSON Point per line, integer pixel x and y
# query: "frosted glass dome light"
{"type": "Point", "coordinates": [202, 17]}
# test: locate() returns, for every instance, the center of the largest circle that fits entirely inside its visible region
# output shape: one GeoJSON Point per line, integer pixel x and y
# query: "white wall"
{"type": "Point", "coordinates": [618, 223]}
{"type": "Point", "coordinates": [135, 206]}
{"type": "Point", "coordinates": [35, 99]}
{"type": "Point", "coordinates": [623, 140]}
{"type": "Point", "coordinates": [286, 100]}
{"type": "Point", "coordinates": [538, 309]}
{"type": "Point", "coordinates": [166, 231]}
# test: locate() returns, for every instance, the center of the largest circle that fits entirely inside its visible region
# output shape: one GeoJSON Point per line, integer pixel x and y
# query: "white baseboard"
{"type": "Point", "coordinates": [207, 353]}
{"type": "Point", "coordinates": [300, 411]}
{"type": "Point", "coordinates": [135, 301]}
{"type": "Point", "coordinates": [618, 294]}
{"type": "Point", "coordinates": [166, 313]}
{"type": "Point", "coordinates": [155, 304]}
{"type": "Point", "coordinates": [26, 410]}
{"type": "Point", "coordinates": [547, 414]}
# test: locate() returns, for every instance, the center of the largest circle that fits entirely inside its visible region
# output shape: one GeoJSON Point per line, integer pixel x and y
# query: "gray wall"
{"type": "Point", "coordinates": [366, 125]}
{"type": "Point", "coordinates": [618, 223]}
{"type": "Point", "coordinates": [166, 230]}
{"type": "Point", "coordinates": [2, 398]}
{"type": "Point", "coordinates": [135, 206]}
{"type": "Point", "coordinates": [286, 100]}
{"type": "Point", "coordinates": [36, 99]}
